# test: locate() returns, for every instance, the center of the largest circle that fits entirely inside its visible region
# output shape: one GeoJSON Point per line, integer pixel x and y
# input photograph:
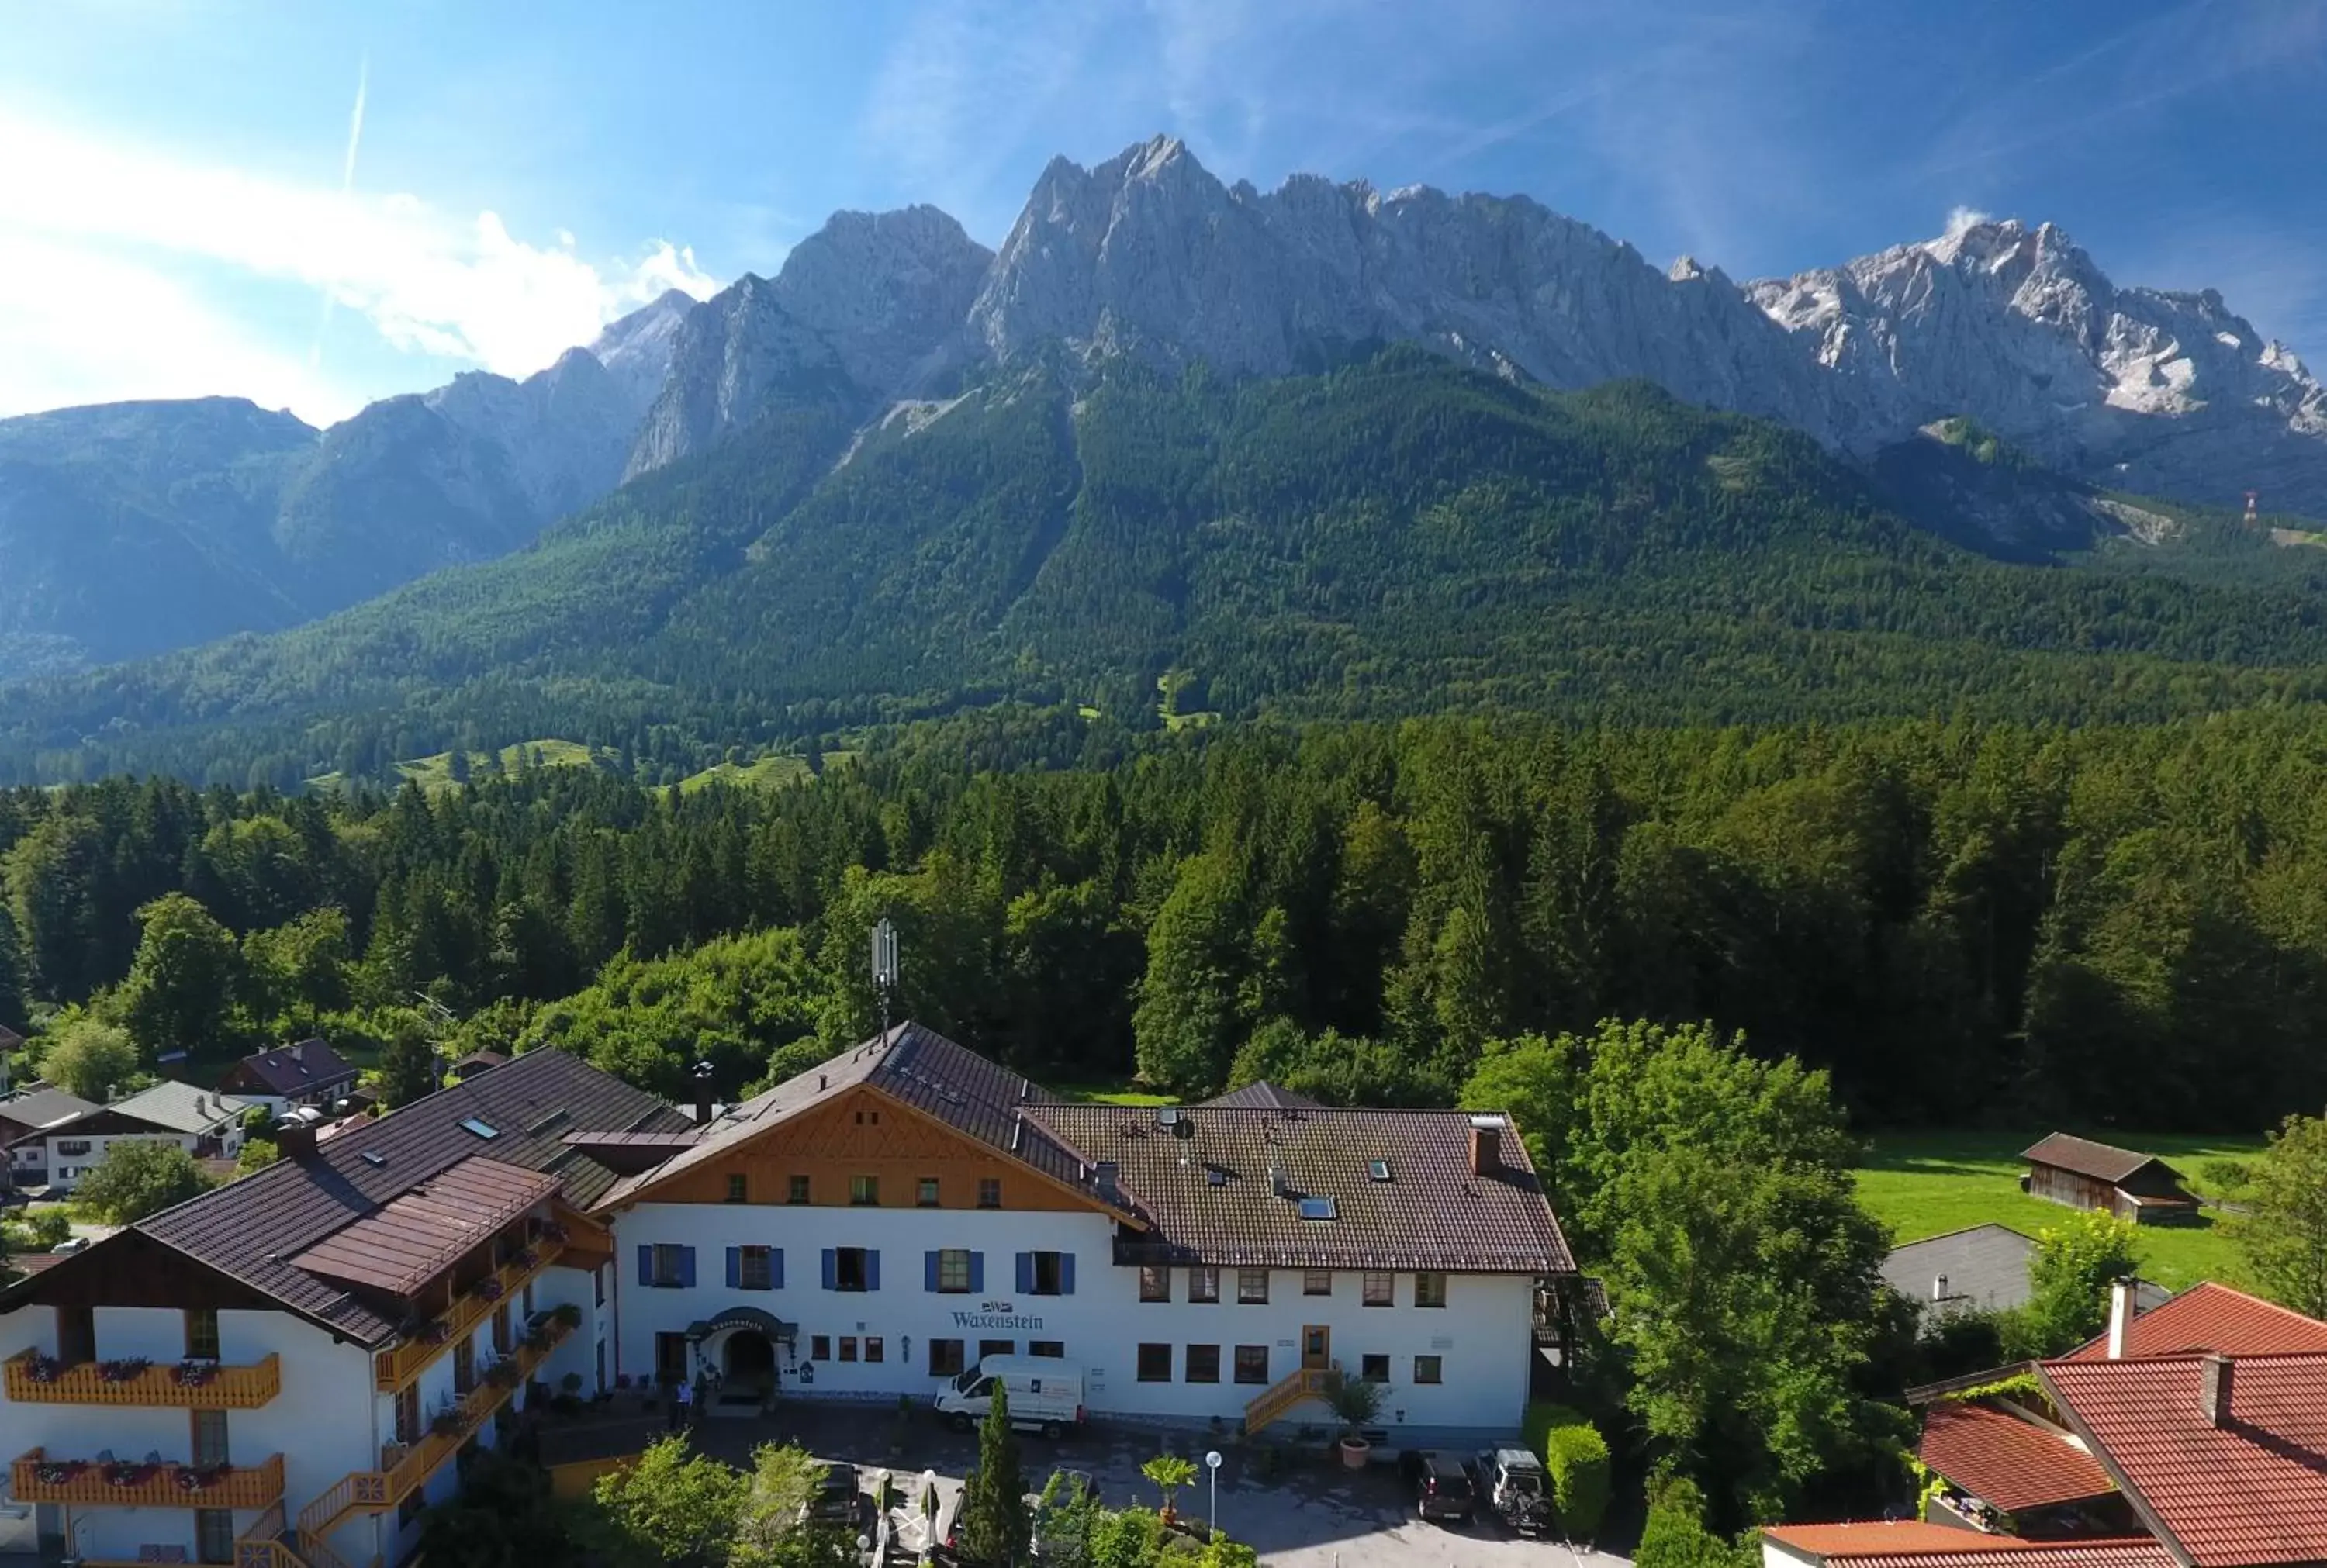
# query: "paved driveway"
{"type": "Point", "coordinates": [1309, 1516]}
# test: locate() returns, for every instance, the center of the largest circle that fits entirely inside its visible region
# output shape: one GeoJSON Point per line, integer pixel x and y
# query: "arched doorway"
{"type": "Point", "coordinates": [748, 1360]}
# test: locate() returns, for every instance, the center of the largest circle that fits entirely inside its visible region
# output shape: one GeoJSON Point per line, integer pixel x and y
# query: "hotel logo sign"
{"type": "Point", "coordinates": [998, 1315]}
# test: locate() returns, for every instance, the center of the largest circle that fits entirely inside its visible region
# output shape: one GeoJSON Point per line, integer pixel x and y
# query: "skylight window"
{"type": "Point", "coordinates": [373, 1157]}
{"type": "Point", "coordinates": [482, 1129]}
{"type": "Point", "coordinates": [1377, 1170]}
{"type": "Point", "coordinates": [1317, 1208]}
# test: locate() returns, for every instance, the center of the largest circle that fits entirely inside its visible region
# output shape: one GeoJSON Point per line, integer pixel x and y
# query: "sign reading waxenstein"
{"type": "Point", "coordinates": [997, 1315]}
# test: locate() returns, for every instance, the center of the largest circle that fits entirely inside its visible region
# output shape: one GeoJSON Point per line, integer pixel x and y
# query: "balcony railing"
{"type": "Point", "coordinates": [37, 1478]}
{"type": "Point", "coordinates": [33, 1378]}
{"type": "Point", "coordinates": [404, 1466]}
{"type": "Point", "coordinates": [398, 1365]}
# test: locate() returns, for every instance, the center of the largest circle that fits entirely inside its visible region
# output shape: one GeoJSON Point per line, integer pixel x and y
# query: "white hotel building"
{"type": "Point", "coordinates": [280, 1373]}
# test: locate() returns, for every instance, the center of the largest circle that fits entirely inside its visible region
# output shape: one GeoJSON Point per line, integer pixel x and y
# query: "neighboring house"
{"type": "Point", "coordinates": [310, 1073]}
{"type": "Point", "coordinates": [23, 1114]}
{"type": "Point", "coordinates": [203, 1122]}
{"type": "Point", "coordinates": [2189, 1436]}
{"type": "Point", "coordinates": [478, 1061]}
{"type": "Point", "coordinates": [355, 1315]}
{"type": "Point", "coordinates": [1982, 1268]}
{"type": "Point", "coordinates": [1262, 1096]}
{"type": "Point", "coordinates": [2084, 1174]}
{"type": "Point", "coordinates": [408, 1281]}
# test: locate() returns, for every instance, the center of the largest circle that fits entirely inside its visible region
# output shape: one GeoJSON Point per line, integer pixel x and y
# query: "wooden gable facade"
{"type": "Point", "coordinates": [865, 1133]}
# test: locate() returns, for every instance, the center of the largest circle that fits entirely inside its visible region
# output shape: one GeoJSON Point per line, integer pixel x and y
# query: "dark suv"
{"type": "Point", "coordinates": [1442, 1486]}
{"type": "Point", "coordinates": [840, 1500]}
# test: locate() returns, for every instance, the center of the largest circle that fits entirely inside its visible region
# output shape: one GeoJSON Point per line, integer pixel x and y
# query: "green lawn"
{"type": "Point", "coordinates": [759, 773]}
{"type": "Point", "coordinates": [1115, 1094]}
{"type": "Point", "coordinates": [1929, 1183]}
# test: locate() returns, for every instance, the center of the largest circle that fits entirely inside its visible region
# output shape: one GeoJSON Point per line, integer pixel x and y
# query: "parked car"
{"type": "Point", "coordinates": [1511, 1481]}
{"type": "Point", "coordinates": [1442, 1488]}
{"type": "Point", "coordinates": [840, 1500]}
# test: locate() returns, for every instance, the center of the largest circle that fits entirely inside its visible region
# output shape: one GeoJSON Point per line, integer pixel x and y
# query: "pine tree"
{"type": "Point", "coordinates": [994, 1528]}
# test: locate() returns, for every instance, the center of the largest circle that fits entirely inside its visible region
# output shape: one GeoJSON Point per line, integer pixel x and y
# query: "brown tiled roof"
{"type": "Point", "coordinates": [253, 1229]}
{"type": "Point", "coordinates": [415, 1236]}
{"type": "Point", "coordinates": [2001, 1459]}
{"type": "Point", "coordinates": [2212, 1317]}
{"type": "Point", "coordinates": [1913, 1544]}
{"type": "Point", "coordinates": [295, 1070]}
{"type": "Point", "coordinates": [1263, 1097]}
{"type": "Point", "coordinates": [2251, 1491]}
{"type": "Point", "coordinates": [2101, 1161]}
{"type": "Point", "coordinates": [1210, 1199]}
{"type": "Point", "coordinates": [916, 1066]}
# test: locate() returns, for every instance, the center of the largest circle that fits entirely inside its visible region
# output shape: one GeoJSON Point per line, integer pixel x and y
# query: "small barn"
{"type": "Point", "coordinates": [2126, 1182]}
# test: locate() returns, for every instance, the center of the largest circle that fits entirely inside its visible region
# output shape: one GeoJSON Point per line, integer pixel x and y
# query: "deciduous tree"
{"type": "Point", "coordinates": [135, 1180]}
{"type": "Point", "coordinates": [2285, 1233]}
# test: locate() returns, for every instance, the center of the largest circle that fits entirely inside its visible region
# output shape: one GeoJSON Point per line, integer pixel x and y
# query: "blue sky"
{"type": "Point", "coordinates": [180, 213]}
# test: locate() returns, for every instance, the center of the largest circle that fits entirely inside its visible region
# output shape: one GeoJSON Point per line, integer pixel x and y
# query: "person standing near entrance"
{"type": "Point", "coordinates": [682, 1404]}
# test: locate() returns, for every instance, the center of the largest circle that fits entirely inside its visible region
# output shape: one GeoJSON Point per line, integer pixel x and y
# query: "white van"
{"type": "Point", "coordinates": [1046, 1394]}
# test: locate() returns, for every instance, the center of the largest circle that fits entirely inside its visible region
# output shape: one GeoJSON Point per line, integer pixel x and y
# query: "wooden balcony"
{"type": "Point", "coordinates": [244, 1387]}
{"type": "Point", "coordinates": [157, 1485]}
{"type": "Point", "coordinates": [399, 1364]}
{"type": "Point", "coordinates": [403, 1467]}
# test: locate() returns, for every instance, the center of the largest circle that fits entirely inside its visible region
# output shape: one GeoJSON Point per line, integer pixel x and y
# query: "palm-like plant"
{"type": "Point", "coordinates": [1354, 1399]}
{"type": "Point", "coordinates": [1170, 1472]}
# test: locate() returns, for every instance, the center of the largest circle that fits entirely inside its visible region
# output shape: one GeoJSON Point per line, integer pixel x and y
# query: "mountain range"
{"type": "Point", "coordinates": [761, 458]}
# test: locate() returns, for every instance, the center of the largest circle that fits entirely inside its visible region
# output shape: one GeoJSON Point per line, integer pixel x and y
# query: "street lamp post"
{"type": "Point", "coordinates": [1212, 1463]}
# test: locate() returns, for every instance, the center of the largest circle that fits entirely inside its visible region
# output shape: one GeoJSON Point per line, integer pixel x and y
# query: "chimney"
{"type": "Point", "coordinates": [2214, 1371]}
{"type": "Point", "coordinates": [1103, 1177]}
{"type": "Point", "coordinates": [295, 1138]}
{"type": "Point", "coordinates": [701, 1094]}
{"type": "Point", "coordinates": [1939, 1289]}
{"type": "Point", "coordinates": [1276, 1175]}
{"type": "Point", "coordinates": [2120, 1317]}
{"type": "Point", "coordinates": [1486, 1145]}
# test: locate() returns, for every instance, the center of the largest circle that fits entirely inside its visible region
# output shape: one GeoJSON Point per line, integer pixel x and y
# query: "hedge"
{"type": "Point", "coordinates": [1576, 1458]}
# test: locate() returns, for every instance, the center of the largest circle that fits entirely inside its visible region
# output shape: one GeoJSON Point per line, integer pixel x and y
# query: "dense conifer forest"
{"type": "Point", "coordinates": [1961, 921]}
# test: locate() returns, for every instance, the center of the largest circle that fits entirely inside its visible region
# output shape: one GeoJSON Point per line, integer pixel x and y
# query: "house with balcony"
{"type": "Point", "coordinates": [204, 1123]}
{"type": "Point", "coordinates": [876, 1225]}
{"type": "Point", "coordinates": [2187, 1436]}
{"type": "Point", "coordinates": [281, 1372]}
{"type": "Point", "coordinates": [310, 1074]}
{"type": "Point", "coordinates": [23, 1115]}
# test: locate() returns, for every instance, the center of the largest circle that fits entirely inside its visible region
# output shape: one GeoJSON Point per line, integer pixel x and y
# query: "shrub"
{"type": "Point", "coordinates": [1576, 1457]}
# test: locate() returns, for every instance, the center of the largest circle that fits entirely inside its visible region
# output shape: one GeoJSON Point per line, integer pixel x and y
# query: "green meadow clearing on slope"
{"type": "Point", "coordinates": [1924, 1184]}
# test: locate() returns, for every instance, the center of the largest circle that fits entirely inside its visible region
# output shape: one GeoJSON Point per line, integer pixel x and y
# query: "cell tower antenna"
{"type": "Point", "coordinates": [884, 967]}
{"type": "Point", "coordinates": [2252, 521]}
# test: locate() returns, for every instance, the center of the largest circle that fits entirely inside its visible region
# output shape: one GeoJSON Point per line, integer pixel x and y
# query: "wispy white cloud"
{"type": "Point", "coordinates": [426, 280]}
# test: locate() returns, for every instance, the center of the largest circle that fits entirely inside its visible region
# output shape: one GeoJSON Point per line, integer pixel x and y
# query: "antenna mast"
{"type": "Point", "coordinates": [884, 967]}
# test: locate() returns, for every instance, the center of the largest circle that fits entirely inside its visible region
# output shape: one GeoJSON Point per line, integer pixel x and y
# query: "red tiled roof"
{"type": "Point", "coordinates": [2000, 1459]}
{"type": "Point", "coordinates": [1913, 1544]}
{"type": "Point", "coordinates": [2211, 1317]}
{"type": "Point", "coordinates": [2251, 1491]}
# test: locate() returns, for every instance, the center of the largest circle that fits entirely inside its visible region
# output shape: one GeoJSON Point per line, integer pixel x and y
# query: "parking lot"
{"type": "Point", "coordinates": [1308, 1516]}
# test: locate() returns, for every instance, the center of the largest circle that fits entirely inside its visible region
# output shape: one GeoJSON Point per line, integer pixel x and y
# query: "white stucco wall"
{"type": "Point", "coordinates": [65, 1171]}
{"type": "Point", "coordinates": [321, 1422]}
{"type": "Point", "coordinates": [1481, 1335]}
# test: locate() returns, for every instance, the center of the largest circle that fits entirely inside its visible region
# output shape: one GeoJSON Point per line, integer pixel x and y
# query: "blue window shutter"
{"type": "Point", "coordinates": [646, 1264]}
{"type": "Point", "coordinates": [976, 1271]}
{"type": "Point", "coordinates": [734, 1268]}
{"type": "Point", "coordinates": [1066, 1274]}
{"type": "Point", "coordinates": [831, 1270]}
{"type": "Point", "coordinates": [686, 1267]}
{"type": "Point", "coordinates": [872, 1270]}
{"type": "Point", "coordinates": [775, 1268]}
{"type": "Point", "coordinates": [929, 1271]}
{"type": "Point", "coordinates": [1025, 1273]}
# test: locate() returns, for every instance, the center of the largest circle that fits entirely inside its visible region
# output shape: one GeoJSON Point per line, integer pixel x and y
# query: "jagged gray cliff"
{"type": "Point", "coordinates": [263, 521]}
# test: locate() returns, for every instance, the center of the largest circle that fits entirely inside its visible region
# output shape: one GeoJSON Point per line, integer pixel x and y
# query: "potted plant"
{"type": "Point", "coordinates": [566, 1315]}
{"type": "Point", "coordinates": [44, 1369]}
{"type": "Point", "coordinates": [123, 1369]}
{"type": "Point", "coordinates": [1170, 1472]}
{"type": "Point", "coordinates": [192, 1374]}
{"type": "Point", "coordinates": [445, 1424]}
{"type": "Point", "coordinates": [1357, 1401]}
{"type": "Point", "coordinates": [570, 1384]}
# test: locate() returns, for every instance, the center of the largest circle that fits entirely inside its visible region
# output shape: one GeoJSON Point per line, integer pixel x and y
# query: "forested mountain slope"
{"type": "Point", "coordinates": [1400, 535]}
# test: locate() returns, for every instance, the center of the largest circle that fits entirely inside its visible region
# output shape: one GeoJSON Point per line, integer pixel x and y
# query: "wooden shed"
{"type": "Point", "coordinates": [2083, 1174]}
